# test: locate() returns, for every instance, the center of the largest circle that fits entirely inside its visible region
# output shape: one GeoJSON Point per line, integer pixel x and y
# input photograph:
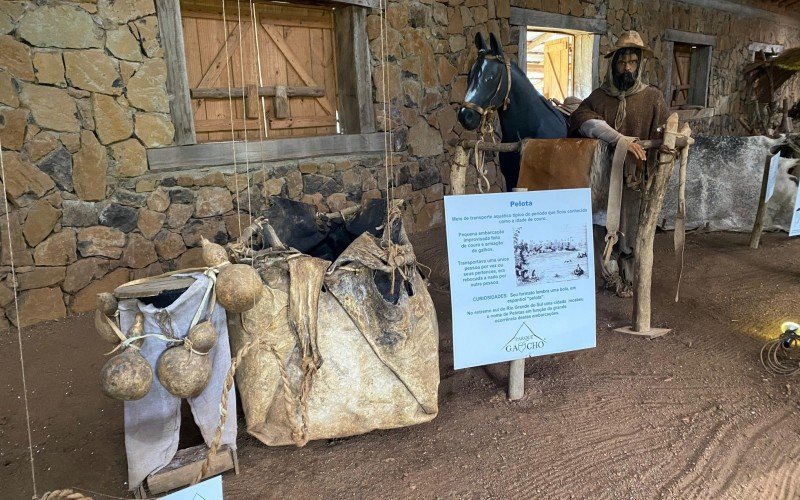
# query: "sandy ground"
{"type": "Point", "coordinates": [692, 414]}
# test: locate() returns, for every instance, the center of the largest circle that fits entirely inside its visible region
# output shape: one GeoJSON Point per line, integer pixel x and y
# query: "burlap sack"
{"type": "Point", "coordinates": [342, 348]}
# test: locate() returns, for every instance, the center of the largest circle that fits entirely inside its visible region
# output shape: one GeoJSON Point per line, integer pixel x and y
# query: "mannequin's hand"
{"type": "Point", "coordinates": [637, 151]}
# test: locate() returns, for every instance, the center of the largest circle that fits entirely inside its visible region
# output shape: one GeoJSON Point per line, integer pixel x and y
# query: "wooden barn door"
{"type": "Point", "coordinates": [295, 49]}
{"type": "Point", "coordinates": [556, 69]}
{"type": "Point", "coordinates": [682, 59]}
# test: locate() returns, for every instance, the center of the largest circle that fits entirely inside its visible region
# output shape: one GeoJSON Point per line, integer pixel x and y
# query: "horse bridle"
{"type": "Point", "coordinates": [492, 107]}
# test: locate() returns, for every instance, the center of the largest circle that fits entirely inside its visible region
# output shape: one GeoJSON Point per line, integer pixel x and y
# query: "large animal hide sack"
{"type": "Point", "coordinates": [342, 348]}
{"type": "Point", "coordinates": [723, 184]}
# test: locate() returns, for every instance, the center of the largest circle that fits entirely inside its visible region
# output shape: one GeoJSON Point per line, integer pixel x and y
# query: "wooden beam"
{"type": "Point", "coordinates": [689, 37]}
{"type": "Point", "coordinates": [743, 11]}
{"type": "Point", "coordinates": [251, 102]}
{"type": "Point", "coordinates": [224, 125]}
{"type": "Point", "coordinates": [269, 91]}
{"type": "Point", "coordinates": [353, 72]}
{"type": "Point", "coordinates": [281, 103]}
{"type": "Point", "coordinates": [180, 104]}
{"type": "Point", "coordinates": [537, 18]}
{"type": "Point", "coordinates": [219, 154]}
{"type": "Point", "coordinates": [292, 59]}
{"type": "Point", "coordinates": [303, 122]}
{"type": "Point", "coordinates": [509, 147]}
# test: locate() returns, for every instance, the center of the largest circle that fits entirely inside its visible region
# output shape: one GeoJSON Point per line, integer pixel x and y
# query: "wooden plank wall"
{"type": "Point", "coordinates": [296, 48]}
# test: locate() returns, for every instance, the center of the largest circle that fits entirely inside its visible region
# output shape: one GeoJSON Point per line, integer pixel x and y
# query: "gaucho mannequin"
{"type": "Point", "coordinates": [624, 106]}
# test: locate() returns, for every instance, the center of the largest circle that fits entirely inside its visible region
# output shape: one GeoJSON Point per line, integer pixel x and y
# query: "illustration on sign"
{"type": "Point", "coordinates": [521, 274]}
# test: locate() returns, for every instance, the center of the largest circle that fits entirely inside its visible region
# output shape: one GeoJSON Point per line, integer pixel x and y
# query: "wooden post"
{"type": "Point", "coordinates": [251, 102]}
{"type": "Point", "coordinates": [652, 199]}
{"type": "Point", "coordinates": [649, 210]}
{"type": "Point", "coordinates": [281, 105]}
{"type": "Point", "coordinates": [516, 368]}
{"type": "Point", "coordinates": [458, 171]}
{"type": "Point", "coordinates": [758, 225]}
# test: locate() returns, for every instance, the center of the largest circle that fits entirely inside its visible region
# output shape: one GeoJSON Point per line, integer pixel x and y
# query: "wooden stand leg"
{"type": "Point", "coordinates": [758, 225]}
{"type": "Point", "coordinates": [516, 379]}
{"type": "Point", "coordinates": [516, 369]}
{"type": "Point", "coordinates": [652, 200]}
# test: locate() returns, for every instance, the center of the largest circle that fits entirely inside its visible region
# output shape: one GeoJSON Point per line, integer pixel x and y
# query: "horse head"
{"type": "Point", "coordinates": [489, 83]}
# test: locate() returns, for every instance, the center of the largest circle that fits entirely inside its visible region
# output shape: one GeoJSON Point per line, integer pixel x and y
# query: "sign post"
{"type": "Point", "coordinates": [521, 275]}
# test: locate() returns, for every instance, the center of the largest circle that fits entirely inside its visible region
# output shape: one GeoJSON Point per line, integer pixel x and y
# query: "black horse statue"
{"type": "Point", "coordinates": [496, 84]}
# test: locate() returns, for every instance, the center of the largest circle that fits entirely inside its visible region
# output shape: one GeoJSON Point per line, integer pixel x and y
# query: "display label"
{"type": "Point", "coordinates": [774, 164]}
{"type": "Point", "coordinates": [794, 229]}
{"type": "Point", "coordinates": [521, 274]}
{"type": "Point", "coordinates": [210, 489]}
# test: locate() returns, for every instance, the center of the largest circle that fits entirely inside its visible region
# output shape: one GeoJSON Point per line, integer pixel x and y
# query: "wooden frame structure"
{"type": "Point", "coordinates": [700, 69]}
{"type": "Point", "coordinates": [355, 103]}
{"type": "Point", "coordinates": [587, 32]}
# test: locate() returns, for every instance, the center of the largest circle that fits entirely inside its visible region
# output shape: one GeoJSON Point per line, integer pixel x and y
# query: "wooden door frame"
{"type": "Point", "coordinates": [700, 71]}
{"type": "Point", "coordinates": [354, 85]}
{"type": "Point", "coordinates": [587, 49]}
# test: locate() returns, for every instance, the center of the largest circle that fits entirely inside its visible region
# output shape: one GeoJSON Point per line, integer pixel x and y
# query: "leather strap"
{"type": "Point", "coordinates": [614, 207]}
{"type": "Point", "coordinates": [680, 219]}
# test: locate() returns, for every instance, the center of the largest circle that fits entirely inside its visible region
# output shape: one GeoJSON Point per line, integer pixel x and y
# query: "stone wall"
{"type": "Point", "coordinates": [83, 95]}
{"type": "Point", "coordinates": [734, 34]}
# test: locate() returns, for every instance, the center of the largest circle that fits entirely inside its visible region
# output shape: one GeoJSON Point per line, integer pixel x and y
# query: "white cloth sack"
{"type": "Point", "coordinates": [152, 424]}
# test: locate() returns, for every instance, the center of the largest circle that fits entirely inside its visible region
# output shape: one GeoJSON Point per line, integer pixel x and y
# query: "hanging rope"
{"type": "Point", "coordinates": [229, 75]}
{"type": "Point", "coordinates": [244, 115]}
{"type": "Point", "coordinates": [19, 328]}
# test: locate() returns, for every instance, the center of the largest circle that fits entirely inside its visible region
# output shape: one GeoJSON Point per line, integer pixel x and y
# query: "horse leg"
{"type": "Point", "coordinates": [509, 166]}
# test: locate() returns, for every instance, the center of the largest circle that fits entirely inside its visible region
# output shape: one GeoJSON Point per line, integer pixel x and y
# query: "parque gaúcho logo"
{"type": "Point", "coordinates": [524, 340]}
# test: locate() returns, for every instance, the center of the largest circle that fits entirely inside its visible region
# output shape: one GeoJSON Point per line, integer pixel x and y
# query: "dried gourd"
{"type": "Point", "coordinates": [182, 372]}
{"type": "Point", "coordinates": [104, 328]}
{"type": "Point", "coordinates": [127, 376]}
{"type": "Point", "coordinates": [238, 288]}
{"type": "Point", "coordinates": [213, 254]}
{"type": "Point", "coordinates": [106, 303]}
{"type": "Point", "coordinates": [202, 336]}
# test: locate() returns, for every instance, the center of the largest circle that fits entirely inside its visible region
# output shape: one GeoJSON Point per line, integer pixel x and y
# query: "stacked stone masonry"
{"type": "Point", "coordinates": [83, 96]}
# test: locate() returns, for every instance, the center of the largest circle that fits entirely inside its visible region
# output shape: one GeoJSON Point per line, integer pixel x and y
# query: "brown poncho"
{"type": "Point", "coordinates": [645, 112]}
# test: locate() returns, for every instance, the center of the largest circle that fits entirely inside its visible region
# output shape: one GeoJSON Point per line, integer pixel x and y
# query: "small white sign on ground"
{"type": "Point", "coordinates": [794, 228]}
{"type": "Point", "coordinates": [774, 164]}
{"type": "Point", "coordinates": [521, 274]}
{"type": "Point", "coordinates": [210, 489]}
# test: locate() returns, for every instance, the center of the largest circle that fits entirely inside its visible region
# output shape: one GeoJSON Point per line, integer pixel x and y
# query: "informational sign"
{"type": "Point", "coordinates": [521, 274]}
{"type": "Point", "coordinates": [210, 489]}
{"type": "Point", "coordinates": [774, 164]}
{"type": "Point", "coordinates": [794, 229]}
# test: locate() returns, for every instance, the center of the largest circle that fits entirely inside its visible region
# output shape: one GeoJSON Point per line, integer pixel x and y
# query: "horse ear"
{"type": "Point", "coordinates": [497, 49]}
{"type": "Point", "coordinates": [480, 43]}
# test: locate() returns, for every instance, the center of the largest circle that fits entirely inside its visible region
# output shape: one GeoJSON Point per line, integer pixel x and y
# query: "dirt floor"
{"type": "Point", "coordinates": [692, 414]}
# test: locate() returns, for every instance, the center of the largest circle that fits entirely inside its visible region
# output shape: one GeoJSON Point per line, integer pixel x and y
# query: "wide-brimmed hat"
{"type": "Point", "coordinates": [630, 39]}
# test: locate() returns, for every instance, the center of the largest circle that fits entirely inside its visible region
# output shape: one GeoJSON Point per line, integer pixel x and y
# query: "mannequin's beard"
{"type": "Point", "coordinates": [624, 81]}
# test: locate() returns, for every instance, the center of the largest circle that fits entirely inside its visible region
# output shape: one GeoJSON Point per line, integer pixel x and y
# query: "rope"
{"type": "Point", "coordinates": [244, 113]}
{"type": "Point", "coordinates": [229, 75]}
{"type": "Point", "coordinates": [299, 434]}
{"type": "Point", "coordinates": [19, 328]}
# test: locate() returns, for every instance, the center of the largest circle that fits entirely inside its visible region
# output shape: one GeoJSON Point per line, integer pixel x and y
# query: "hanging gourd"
{"type": "Point", "coordinates": [202, 337]}
{"type": "Point", "coordinates": [238, 288]}
{"type": "Point", "coordinates": [106, 308]}
{"type": "Point", "coordinates": [128, 376]}
{"type": "Point", "coordinates": [184, 372]}
{"type": "Point", "coordinates": [213, 254]}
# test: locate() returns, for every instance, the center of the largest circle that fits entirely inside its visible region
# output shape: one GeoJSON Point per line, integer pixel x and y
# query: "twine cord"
{"type": "Point", "coordinates": [19, 328]}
